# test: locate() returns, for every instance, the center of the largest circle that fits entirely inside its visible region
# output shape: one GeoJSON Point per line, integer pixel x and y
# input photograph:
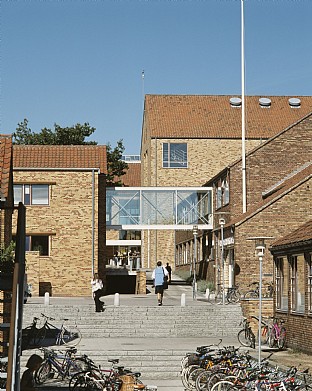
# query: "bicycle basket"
{"type": "Point", "coordinates": [127, 383]}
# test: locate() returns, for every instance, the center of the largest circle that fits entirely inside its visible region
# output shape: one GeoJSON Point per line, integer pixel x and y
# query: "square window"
{"type": "Point", "coordinates": [175, 155]}
{"type": "Point", "coordinates": [40, 195]}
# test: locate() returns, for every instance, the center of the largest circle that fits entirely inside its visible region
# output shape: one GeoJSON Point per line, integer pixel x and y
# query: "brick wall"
{"type": "Point", "coordinates": [68, 221]}
{"type": "Point", "coordinates": [278, 219]}
{"type": "Point", "coordinates": [271, 163]}
{"type": "Point", "coordinates": [206, 157]}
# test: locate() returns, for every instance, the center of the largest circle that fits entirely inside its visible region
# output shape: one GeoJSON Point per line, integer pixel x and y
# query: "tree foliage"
{"type": "Point", "coordinates": [74, 135]}
{"type": "Point", "coordinates": [115, 166]}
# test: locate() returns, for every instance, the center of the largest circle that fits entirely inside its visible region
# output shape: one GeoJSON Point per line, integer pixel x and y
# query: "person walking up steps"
{"type": "Point", "coordinates": [159, 277]}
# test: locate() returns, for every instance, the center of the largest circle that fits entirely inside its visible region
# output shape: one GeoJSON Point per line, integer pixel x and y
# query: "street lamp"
{"type": "Point", "coordinates": [222, 222]}
{"type": "Point", "coordinates": [260, 248]}
{"type": "Point", "coordinates": [195, 232]}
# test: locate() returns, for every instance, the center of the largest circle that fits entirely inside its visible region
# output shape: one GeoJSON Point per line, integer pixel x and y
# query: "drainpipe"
{"type": "Point", "coordinates": [93, 211]}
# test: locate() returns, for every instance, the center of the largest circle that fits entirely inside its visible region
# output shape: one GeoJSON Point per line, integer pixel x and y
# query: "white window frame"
{"type": "Point", "coordinates": [180, 162]}
{"type": "Point", "coordinates": [27, 194]}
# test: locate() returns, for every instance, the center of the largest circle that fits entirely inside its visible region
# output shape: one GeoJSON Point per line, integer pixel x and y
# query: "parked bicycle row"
{"type": "Point", "coordinates": [273, 333]}
{"type": "Point", "coordinates": [80, 372]}
{"type": "Point", "coordinates": [233, 295]}
{"type": "Point", "coordinates": [219, 368]}
{"type": "Point", "coordinates": [42, 332]}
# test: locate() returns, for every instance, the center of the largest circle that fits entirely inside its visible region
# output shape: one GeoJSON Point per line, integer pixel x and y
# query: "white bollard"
{"type": "Point", "coordinates": [207, 293]}
{"type": "Point", "coordinates": [183, 300]}
{"type": "Point", "coordinates": [116, 300]}
{"type": "Point", "coordinates": [46, 298]}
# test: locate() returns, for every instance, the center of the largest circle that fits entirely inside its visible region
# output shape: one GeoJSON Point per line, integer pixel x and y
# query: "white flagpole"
{"type": "Point", "coordinates": [243, 110]}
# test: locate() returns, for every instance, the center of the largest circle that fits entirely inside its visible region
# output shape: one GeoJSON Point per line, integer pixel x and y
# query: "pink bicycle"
{"type": "Point", "coordinates": [277, 334]}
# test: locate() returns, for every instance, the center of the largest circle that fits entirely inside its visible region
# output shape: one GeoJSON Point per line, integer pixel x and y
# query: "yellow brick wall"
{"type": "Point", "coordinates": [206, 158]}
{"type": "Point", "coordinates": [68, 219]}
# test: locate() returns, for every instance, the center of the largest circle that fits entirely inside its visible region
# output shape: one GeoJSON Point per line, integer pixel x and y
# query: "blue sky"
{"type": "Point", "coordinates": [69, 61]}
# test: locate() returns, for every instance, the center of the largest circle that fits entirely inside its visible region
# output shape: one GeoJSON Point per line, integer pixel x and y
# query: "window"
{"type": "Point", "coordinates": [175, 155]}
{"type": "Point", "coordinates": [281, 282]}
{"type": "Point", "coordinates": [31, 194]}
{"type": "Point", "coordinates": [297, 283]}
{"type": "Point", "coordinates": [37, 243]}
{"type": "Point", "coordinates": [129, 235]}
{"type": "Point", "coordinates": [222, 192]}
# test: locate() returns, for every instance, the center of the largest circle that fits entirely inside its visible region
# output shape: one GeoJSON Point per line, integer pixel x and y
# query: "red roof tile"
{"type": "Point", "coordinates": [132, 178]}
{"type": "Point", "coordinates": [5, 164]}
{"type": "Point", "coordinates": [302, 234]}
{"type": "Point", "coordinates": [60, 156]}
{"type": "Point", "coordinates": [212, 116]}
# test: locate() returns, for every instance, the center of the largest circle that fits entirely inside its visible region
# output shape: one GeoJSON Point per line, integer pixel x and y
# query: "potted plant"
{"type": "Point", "coordinates": [7, 266]}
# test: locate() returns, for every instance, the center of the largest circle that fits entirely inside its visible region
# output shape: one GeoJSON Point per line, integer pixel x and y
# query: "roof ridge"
{"type": "Point", "coordinates": [274, 187]}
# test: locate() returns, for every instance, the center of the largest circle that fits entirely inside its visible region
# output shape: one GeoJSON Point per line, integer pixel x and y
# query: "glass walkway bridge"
{"type": "Point", "coordinates": [139, 208]}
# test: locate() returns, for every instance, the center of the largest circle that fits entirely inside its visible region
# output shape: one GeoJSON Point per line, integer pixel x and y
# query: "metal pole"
{"type": "Point", "coordinates": [194, 265]}
{"type": "Point", "coordinates": [222, 260]}
{"type": "Point", "coordinates": [260, 309]}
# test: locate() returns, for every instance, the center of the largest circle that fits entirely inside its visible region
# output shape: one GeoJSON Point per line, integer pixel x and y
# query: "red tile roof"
{"type": "Point", "coordinates": [132, 178]}
{"type": "Point", "coordinates": [300, 235]}
{"type": "Point", "coordinates": [212, 116]}
{"type": "Point", "coordinates": [5, 164]}
{"type": "Point", "coordinates": [60, 156]}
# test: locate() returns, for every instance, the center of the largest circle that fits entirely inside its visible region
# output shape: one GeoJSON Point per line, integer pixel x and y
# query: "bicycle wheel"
{"type": "Point", "coordinates": [281, 341]}
{"type": "Point", "coordinates": [86, 382]}
{"type": "Point", "coordinates": [215, 378]}
{"type": "Point", "coordinates": [202, 380]}
{"type": "Point", "coordinates": [222, 385]}
{"type": "Point", "coordinates": [251, 295]}
{"type": "Point", "coordinates": [234, 296]}
{"type": "Point", "coordinates": [43, 373]}
{"type": "Point", "coordinates": [40, 336]}
{"type": "Point", "coordinates": [71, 337]}
{"type": "Point", "coordinates": [272, 338]}
{"type": "Point", "coordinates": [215, 297]}
{"type": "Point", "coordinates": [186, 373]}
{"type": "Point", "coordinates": [191, 381]}
{"type": "Point", "coordinates": [244, 338]}
{"type": "Point", "coordinates": [77, 365]}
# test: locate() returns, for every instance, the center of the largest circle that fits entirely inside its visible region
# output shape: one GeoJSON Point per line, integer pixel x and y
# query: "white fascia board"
{"type": "Point", "coordinates": [123, 242]}
{"type": "Point", "coordinates": [159, 227]}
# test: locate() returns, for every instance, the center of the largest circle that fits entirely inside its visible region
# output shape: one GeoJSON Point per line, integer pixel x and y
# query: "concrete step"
{"type": "Point", "coordinates": [142, 337]}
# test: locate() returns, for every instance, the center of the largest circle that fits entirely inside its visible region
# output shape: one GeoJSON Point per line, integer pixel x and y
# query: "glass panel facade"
{"type": "Point", "coordinates": [159, 206]}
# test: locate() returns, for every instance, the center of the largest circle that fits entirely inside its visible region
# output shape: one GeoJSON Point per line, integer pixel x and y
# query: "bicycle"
{"type": "Point", "coordinates": [277, 335]}
{"type": "Point", "coordinates": [29, 335]}
{"type": "Point", "coordinates": [246, 337]}
{"type": "Point", "coordinates": [63, 335]}
{"type": "Point", "coordinates": [64, 365]}
{"type": "Point", "coordinates": [254, 293]}
{"type": "Point", "coordinates": [232, 295]}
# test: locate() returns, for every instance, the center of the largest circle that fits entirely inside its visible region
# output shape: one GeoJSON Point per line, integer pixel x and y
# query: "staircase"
{"type": "Point", "coordinates": [145, 338]}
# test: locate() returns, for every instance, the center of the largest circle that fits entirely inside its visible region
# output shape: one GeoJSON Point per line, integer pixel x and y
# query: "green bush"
{"type": "Point", "coordinates": [202, 285]}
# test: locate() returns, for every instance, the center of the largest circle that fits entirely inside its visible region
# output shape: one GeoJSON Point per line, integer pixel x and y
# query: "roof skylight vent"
{"type": "Point", "coordinates": [294, 103]}
{"type": "Point", "coordinates": [265, 102]}
{"type": "Point", "coordinates": [235, 102]}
